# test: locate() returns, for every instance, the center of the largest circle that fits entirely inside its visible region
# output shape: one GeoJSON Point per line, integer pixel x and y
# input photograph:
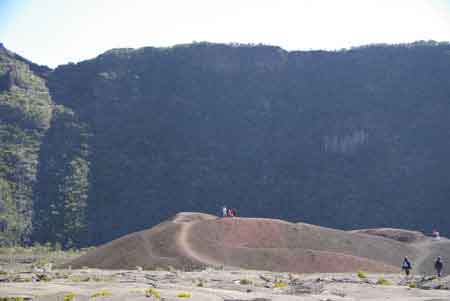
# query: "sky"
{"type": "Point", "coordinates": [54, 32]}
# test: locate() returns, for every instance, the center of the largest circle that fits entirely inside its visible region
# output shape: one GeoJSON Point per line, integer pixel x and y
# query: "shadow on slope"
{"type": "Point", "coordinates": [393, 233]}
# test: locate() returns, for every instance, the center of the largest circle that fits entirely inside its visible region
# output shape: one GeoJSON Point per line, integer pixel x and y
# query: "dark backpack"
{"type": "Point", "coordinates": [406, 264]}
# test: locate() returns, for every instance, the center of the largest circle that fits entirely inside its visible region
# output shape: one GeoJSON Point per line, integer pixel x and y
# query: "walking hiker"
{"type": "Point", "coordinates": [438, 265]}
{"type": "Point", "coordinates": [406, 266]}
{"type": "Point", "coordinates": [435, 234]}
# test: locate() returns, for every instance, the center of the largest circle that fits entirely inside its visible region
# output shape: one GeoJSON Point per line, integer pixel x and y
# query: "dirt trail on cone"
{"type": "Point", "coordinates": [183, 241]}
{"type": "Point", "coordinates": [429, 250]}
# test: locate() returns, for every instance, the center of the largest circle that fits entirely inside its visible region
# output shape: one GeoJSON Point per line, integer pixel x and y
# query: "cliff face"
{"type": "Point", "coordinates": [346, 139]}
{"type": "Point", "coordinates": [25, 112]}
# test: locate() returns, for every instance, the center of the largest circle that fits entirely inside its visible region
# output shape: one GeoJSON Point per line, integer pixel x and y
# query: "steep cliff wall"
{"type": "Point", "coordinates": [346, 139]}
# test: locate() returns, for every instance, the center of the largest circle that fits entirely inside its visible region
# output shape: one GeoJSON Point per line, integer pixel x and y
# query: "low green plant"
{"type": "Point", "coordinates": [412, 285]}
{"type": "Point", "coordinates": [279, 284]}
{"type": "Point", "coordinates": [43, 277]}
{"type": "Point", "coordinates": [383, 281]}
{"type": "Point", "coordinates": [184, 295]}
{"type": "Point", "coordinates": [151, 292]}
{"type": "Point", "coordinates": [245, 281]}
{"type": "Point", "coordinates": [218, 267]}
{"type": "Point", "coordinates": [69, 297]}
{"type": "Point", "coordinates": [12, 299]}
{"type": "Point", "coordinates": [22, 279]}
{"type": "Point", "coordinates": [102, 293]}
{"type": "Point", "coordinates": [361, 275]}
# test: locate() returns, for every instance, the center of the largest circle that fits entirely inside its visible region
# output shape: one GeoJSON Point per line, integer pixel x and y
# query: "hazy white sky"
{"type": "Point", "coordinates": [53, 32]}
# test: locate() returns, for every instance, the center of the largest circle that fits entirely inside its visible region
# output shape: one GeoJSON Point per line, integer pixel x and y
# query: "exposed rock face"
{"type": "Point", "coordinates": [7, 80]}
{"type": "Point", "coordinates": [348, 139]}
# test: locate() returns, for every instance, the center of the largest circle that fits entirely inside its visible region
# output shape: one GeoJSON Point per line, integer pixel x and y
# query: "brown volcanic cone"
{"type": "Point", "coordinates": [194, 239]}
{"type": "Point", "coordinates": [153, 248]}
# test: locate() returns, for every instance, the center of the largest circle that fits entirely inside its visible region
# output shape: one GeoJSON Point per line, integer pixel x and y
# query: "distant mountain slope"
{"type": "Point", "coordinates": [346, 139]}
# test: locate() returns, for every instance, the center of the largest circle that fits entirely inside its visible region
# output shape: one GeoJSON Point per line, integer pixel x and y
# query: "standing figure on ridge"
{"type": "Point", "coordinates": [233, 212]}
{"type": "Point", "coordinates": [224, 211]}
{"type": "Point", "coordinates": [406, 266]}
{"type": "Point", "coordinates": [230, 212]}
{"type": "Point", "coordinates": [438, 265]}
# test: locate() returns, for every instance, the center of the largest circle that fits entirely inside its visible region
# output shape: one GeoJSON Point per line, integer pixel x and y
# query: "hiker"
{"type": "Point", "coordinates": [230, 212]}
{"type": "Point", "coordinates": [436, 234]}
{"type": "Point", "coordinates": [233, 211]}
{"type": "Point", "coordinates": [406, 266]}
{"type": "Point", "coordinates": [224, 211]}
{"type": "Point", "coordinates": [438, 265]}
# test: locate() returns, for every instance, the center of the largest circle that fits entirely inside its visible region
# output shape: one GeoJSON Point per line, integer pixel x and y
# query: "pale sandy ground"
{"type": "Point", "coordinates": [177, 242]}
{"type": "Point", "coordinates": [220, 285]}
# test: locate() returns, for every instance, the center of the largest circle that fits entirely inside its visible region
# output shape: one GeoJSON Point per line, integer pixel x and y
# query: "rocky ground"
{"type": "Point", "coordinates": [184, 259]}
{"type": "Point", "coordinates": [216, 284]}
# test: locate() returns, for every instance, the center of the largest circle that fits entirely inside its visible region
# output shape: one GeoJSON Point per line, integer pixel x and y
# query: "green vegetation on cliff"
{"type": "Point", "coordinates": [61, 193]}
{"type": "Point", "coordinates": [347, 139]}
{"type": "Point", "coordinates": [25, 112]}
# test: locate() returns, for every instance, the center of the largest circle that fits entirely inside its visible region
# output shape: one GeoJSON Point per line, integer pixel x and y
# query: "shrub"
{"type": "Point", "coordinates": [102, 293]}
{"type": "Point", "coordinates": [12, 299]}
{"type": "Point", "coordinates": [245, 281]}
{"type": "Point", "coordinates": [361, 275]}
{"type": "Point", "coordinates": [412, 285]}
{"type": "Point", "coordinates": [184, 295]}
{"type": "Point", "coordinates": [151, 292]}
{"type": "Point", "coordinates": [69, 296]}
{"type": "Point", "coordinates": [279, 284]}
{"type": "Point", "coordinates": [383, 281]}
{"type": "Point", "coordinates": [43, 277]}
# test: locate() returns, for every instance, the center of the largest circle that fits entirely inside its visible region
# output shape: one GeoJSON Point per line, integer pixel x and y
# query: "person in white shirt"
{"type": "Point", "coordinates": [224, 211]}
